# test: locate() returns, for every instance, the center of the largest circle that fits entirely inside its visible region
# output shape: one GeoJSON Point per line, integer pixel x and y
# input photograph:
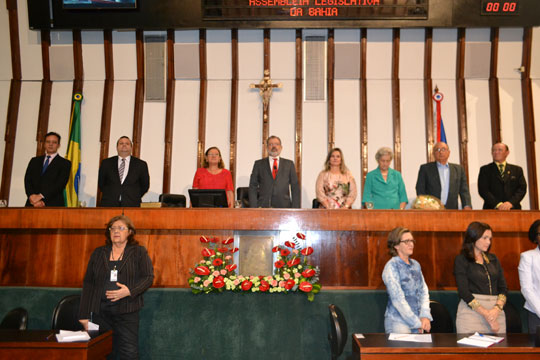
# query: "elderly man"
{"type": "Point", "coordinates": [501, 185]}
{"type": "Point", "coordinates": [273, 180]}
{"type": "Point", "coordinates": [47, 175]}
{"type": "Point", "coordinates": [444, 180]}
{"type": "Point", "coordinates": [123, 179]}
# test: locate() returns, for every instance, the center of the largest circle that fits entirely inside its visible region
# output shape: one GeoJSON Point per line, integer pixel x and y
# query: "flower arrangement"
{"type": "Point", "coordinates": [217, 271]}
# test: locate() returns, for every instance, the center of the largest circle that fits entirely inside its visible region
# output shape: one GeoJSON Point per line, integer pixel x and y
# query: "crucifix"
{"type": "Point", "coordinates": [265, 87]}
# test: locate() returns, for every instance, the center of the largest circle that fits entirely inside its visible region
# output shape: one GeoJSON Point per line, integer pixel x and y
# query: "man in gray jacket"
{"type": "Point", "coordinates": [273, 182]}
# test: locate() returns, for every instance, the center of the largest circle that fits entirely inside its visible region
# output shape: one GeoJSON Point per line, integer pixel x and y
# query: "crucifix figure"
{"type": "Point", "coordinates": [265, 87]}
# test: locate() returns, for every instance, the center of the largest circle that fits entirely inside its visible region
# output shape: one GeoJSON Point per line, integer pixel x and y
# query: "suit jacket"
{"type": "Point", "coordinates": [135, 271]}
{"type": "Point", "coordinates": [51, 183]}
{"type": "Point", "coordinates": [429, 183]}
{"type": "Point", "coordinates": [266, 192]}
{"type": "Point", "coordinates": [128, 193]}
{"type": "Point", "coordinates": [494, 188]}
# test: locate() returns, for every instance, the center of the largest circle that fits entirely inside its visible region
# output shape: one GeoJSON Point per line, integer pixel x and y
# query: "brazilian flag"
{"type": "Point", "coordinates": [71, 192]}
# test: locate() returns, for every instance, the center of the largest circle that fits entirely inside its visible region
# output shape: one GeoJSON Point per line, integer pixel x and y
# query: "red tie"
{"type": "Point", "coordinates": [274, 169]}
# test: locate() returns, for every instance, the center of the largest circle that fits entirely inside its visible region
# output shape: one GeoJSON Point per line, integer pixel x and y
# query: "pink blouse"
{"type": "Point", "coordinates": [203, 179]}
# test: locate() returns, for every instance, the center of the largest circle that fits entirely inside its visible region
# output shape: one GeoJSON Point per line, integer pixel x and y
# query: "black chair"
{"type": "Point", "coordinates": [172, 200]}
{"type": "Point", "coordinates": [66, 314]}
{"type": "Point", "coordinates": [242, 194]}
{"type": "Point", "coordinates": [442, 321]}
{"type": "Point", "coordinates": [16, 319]}
{"type": "Point", "coordinates": [513, 319]}
{"type": "Point", "coordinates": [315, 204]}
{"type": "Point", "coordinates": [338, 331]}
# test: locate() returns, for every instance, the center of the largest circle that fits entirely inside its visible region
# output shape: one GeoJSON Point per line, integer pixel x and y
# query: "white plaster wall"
{"type": "Point", "coordinates": [60, 111]}
{"type": "Point", "coordinates": [25, 142]}
{"type": "Point", "coordinates": [124, 55]}
{"type": "Point", "coordinates": [535, 54]}
{"type": "Point", "coordinates": [30, 45]}
{"type": "Point", "coordinates": [185, 135]}
{"type": "Point", "coordinates": [93, 52]}
{"type": "Point", "coordinates": [5, 56]}
{"type": "Point", "coordinates": [91, 107]}
{"type": "Point", "coordinates": [250, 54]}
{"type": "Point", "coordinates": [282, 120]}
{"type": "Point", "coordinates": [153, 147]}
{"type": "Point", "coordinates": [510, 53]}
{"type": "Point", "coordinates": [282, 54]}
{"type": "Point", "coordinates": [123, 108]}
{"type": "Point", "coordinates": [443, 57]}
{"type": "Point", "coordinates": [411, 54]}
{"type": "Point", "coordinates": [379, 54]}
{"type": "Point", "coordinates": [218, 115]}
{"type": "Point", "coordinates": [379, 118]}
{"type": "Point", "coordinates": [218, 54]}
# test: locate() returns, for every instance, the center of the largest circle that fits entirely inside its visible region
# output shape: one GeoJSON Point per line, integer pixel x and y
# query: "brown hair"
{"type": "Point", "coordinates": [342, 168]}
{"type": "Point", "coordinates": [394, 238]}
{"type": "Point", "coordinates": [221, 164]}
{"type": "Point", "coordinates": [127, 221]}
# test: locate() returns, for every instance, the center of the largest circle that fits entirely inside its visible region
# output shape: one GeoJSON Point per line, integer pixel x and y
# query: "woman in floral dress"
{"type": "Point", "coordinates": [335, 187]}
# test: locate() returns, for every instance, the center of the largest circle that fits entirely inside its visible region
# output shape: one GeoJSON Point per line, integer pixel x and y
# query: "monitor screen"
{"type": "Point", "coordinates": [208, 198]}
{"type": "Point", "coordinates": [99, 4]}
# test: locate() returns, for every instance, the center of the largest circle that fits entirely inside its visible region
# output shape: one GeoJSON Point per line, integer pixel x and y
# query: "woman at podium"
{"type": "Point", "coordinates": [213, 174]}
{"type": "Point", "coordinates": [335, 186]}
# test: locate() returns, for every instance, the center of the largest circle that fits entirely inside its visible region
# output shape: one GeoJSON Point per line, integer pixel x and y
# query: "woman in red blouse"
{"type": "Point", "coordinates": [213, 174]}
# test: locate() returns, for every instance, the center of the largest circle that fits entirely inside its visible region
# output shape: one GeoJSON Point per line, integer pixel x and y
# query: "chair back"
{"type": "Point", "coordinates": [442, 321]}
{"type": "Point", "coordinates": [513, 319]}
{"type": "Point", "coordinates": [172, 200]}
{"type": "Point", "coordinates": [315, 204]}
{"type": "Point", "coordinates": [338, 331]}
{"type": "Point", "coordinates": [66, 314]}
{"type": "Point", "coordinates": [16, 319]}
{"type": "Point", "coordinates": [242, 194]}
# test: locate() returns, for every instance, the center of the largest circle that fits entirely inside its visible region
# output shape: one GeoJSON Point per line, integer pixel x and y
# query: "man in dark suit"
{"type": "Point", "coordinates": [501, 185]}
{"type": "Point", "coordinates": [444, 180]}
{"type": "Point", "coordinates": [273, 180]}
{"type": "Point", "coordinates": [47, 175]}
{"type": "Point", "coordinates": [123, 179]}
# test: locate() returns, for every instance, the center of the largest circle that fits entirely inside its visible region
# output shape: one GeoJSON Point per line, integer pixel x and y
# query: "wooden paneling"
{"type": "Point", "coordinates": [494, 99]}
{"type": "Point", "coordinates": [169, 114]}
{"type": "Point", "coordinates": [428, 93]}
{"type": "Point", "coordinates": [363, 109]}
{"type": "Point", "coordinates": [298, 105]}
{"type": "Point", "coordinates": [396, 113]}
{"type": "Point", "coordinates": [139, 95]}
{"type": "Point", "coordinates": [350, 246]}
{"type": "Point", "coordinates": [202, 98]}
{"type": "Point", "coordinates": [461, 102]}
{"type": "Point", "coordinates": [330, 59]}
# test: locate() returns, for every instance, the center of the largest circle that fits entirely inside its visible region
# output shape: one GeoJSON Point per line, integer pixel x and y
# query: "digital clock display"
{"type": "Point", "coordinates": [500, 7]}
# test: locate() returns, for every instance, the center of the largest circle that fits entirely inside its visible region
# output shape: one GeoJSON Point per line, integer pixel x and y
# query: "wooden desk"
{"type": "Point", "coordinates": [444, 346]}
{"type": "Point", "coordinates": [33, 344]}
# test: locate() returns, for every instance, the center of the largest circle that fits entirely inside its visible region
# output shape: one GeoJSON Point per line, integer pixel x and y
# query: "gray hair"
{"type": "Point", "coordinates": [384, 151]}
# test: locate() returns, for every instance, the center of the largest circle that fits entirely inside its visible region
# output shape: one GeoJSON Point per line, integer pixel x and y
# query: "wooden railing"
{"type": "Point", "coordinates": [51, 247]}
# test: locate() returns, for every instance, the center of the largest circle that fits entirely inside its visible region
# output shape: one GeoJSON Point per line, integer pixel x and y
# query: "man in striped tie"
{"type": "Point", "coordinates": [123, 179]}
{"type": "Point", "coordinates": [47, 175]}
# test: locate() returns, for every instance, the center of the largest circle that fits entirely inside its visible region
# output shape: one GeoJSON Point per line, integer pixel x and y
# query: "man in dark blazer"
{"type": "Point", "coordinates": [123, 179]}
{"type": "Point", "coordinates": [444, 180]}
{"type": "Point", "coordinates": [47, 175]}
{"type": "Point", "coordinates": [273, 182]}
{"type": "Point", "coordinates": [501, 185]}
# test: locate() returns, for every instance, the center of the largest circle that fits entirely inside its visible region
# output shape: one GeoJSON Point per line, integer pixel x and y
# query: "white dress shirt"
{"type": "Point", "coordinates": [529, 279]}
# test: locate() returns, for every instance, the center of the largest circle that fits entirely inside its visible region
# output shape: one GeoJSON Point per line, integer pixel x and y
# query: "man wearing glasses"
{"type": "Point", "coordinates": [444, 180]}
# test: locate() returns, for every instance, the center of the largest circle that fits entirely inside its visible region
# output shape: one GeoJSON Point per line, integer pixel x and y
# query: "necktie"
{"type": "Point", "coordinates": [46, 164]}
{"type": "Point", "coordinates": [121, 169]}
{"type": "Point", "coordinates": [501, 169]}
{"type": "Point", "coordinates": [274, 168]}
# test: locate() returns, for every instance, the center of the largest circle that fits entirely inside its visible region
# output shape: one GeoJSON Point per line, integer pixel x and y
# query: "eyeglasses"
{"type": "Point", "coordinates": [117, 228]}
{"type": "Point", "coordinates": [439, 150]}
{"type": "Point", "coordinates": [408, 242]}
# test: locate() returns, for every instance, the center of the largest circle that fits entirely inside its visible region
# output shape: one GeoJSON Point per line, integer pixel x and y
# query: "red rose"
{"type": "Point", "coordinates": [293, 262]}
{"type": "Point", "coordinates": [306, 286]}
{"type": "Point", "coordinates": [231, 267]}
{"type": "Point", "coordinates": [289, 284]}
{"type": "Point", "coordinates": [285, 252]}
{"type": "Point", "coordinates": [214, 240]}
{"type": "Point", "coordinates": [217, 262]}
{"type": "Point", "coordinates": [218, 282]}
{"type": "Point", "coordinates": [204, 239]}
{"type": "Point", "coordinates": [206, 252]}
{"type": "Point", "coordinates": [279, 264]}
{"type": "Point", "coordinates": [307, 251]}
{"type": "Point", "coordinates": [222, 249]}
{"type": "Point", "coordinates": [246, 285]}
{"type": "Point", "coordinates": [264, 285]}
{"type": "Point", "coordinates": [275, 249]}
{"type": "Point", "coordinates": [290, 244]}
{"type": "Point", "coordinates": [228, 241]}
{"type": "Point", "coordinates": [308, 273]}
{"type": "Point", "coordinates": [234, 250]}
{"type": "Point", "coordinates": [202, 270]}
{"type": "Point", "coordinates": [301, 236]}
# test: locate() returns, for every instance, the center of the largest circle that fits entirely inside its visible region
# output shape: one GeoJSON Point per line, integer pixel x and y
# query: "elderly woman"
{"type": "Point", "coordinates": [529, 278]}
{"type": "Point", "coordinates": [335, 186]}
{"type": "Point", "coordinates": [384, 187]}
{"type": "Point", "coordinates": [117, 276]}
{"type": "Point", "coordinates": [408, 309]}
{"type": "Point", "coordinates": [480, 282]}
{"type": "Point", "coordinates": [213, 174]}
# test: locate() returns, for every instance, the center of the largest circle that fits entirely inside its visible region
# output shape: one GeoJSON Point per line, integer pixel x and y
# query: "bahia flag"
{"type": "Point", "coordinates": [439, 126]}
{"type": "Point", "coordinates": [71, 192]}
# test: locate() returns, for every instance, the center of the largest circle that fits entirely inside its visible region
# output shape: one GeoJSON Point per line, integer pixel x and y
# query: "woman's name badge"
{"type": "Point", "coordinates": [114, 275]}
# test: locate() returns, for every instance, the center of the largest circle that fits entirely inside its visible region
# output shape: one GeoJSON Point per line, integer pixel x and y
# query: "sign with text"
{"type": "Point", "coordinates": [314, 9]}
